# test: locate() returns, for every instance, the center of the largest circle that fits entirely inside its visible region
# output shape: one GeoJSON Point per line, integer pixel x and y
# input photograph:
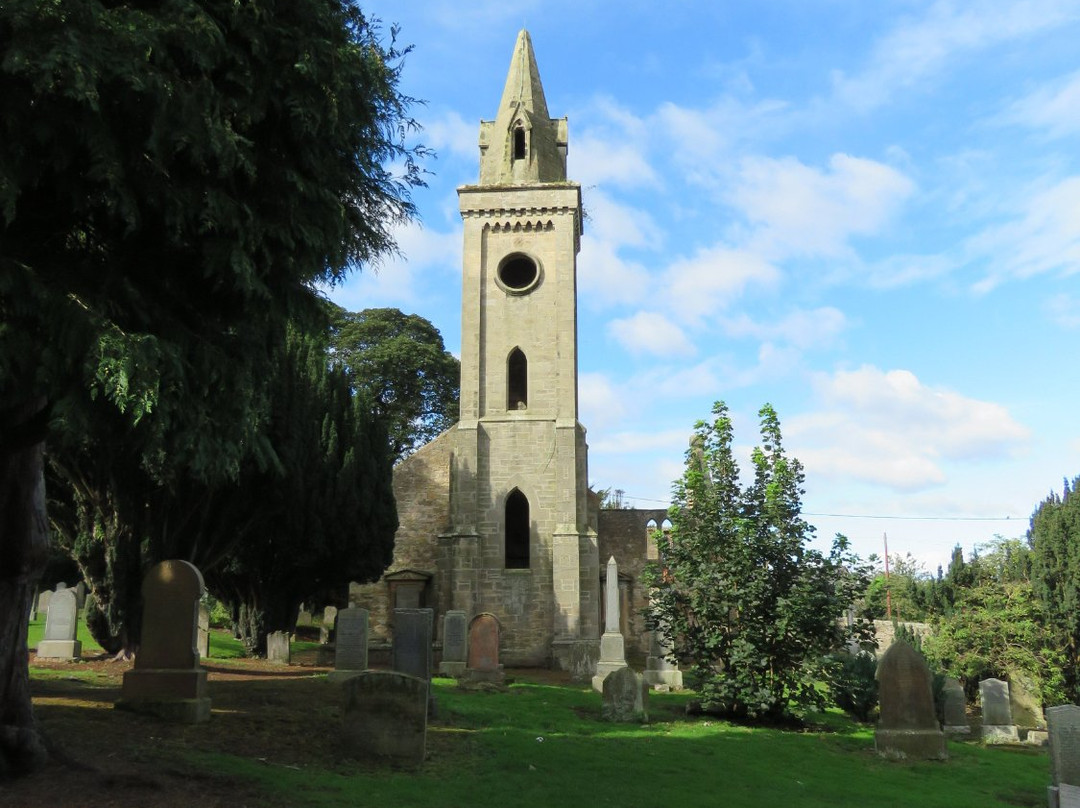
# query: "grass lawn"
{"type": "Point", "coordinates": [545, 745]}
{"type": "Point", "coordinates": [273, 741]}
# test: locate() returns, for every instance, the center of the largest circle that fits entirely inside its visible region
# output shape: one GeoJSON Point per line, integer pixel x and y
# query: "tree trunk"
{"type": "Point", "coordinates": [24, 545]}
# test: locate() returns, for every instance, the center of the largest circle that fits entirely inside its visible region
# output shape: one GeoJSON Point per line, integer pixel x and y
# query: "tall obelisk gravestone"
{"type": "Point", "coordinates": [612, 645]}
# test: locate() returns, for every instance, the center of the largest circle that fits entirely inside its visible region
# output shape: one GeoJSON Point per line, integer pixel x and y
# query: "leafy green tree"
{"type": "Point", "coordinates": [324, 518]}
{"type": "Point", "coordinates": [1054, 537]}
{"type": "Point", "coordinates": [399, 362]}
{"type": "Point", "coordinates": [737, 587]}
{"type": "Point", "coordinates": [175, 179]}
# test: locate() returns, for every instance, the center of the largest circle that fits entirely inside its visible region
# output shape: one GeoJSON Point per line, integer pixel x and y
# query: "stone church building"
{"type": "Point", "coordinates": [496, 514]}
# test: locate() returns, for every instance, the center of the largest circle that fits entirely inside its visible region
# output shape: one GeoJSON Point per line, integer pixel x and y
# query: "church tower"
{"type": "Point", "coordinates": [520, 543]}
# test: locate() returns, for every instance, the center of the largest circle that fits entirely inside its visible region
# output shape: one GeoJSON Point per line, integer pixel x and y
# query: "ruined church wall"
{"type": "Point", "coordinates": [624, 535]}
{"type": "Point", "coordinates": [422, 492]}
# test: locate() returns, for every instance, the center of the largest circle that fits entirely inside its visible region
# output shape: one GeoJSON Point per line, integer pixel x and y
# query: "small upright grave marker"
{"type": "Point", "coordinates": [167, 680]}
{"type": "Point", "coordinates": [204, 631]}
{"type": "Point", "coordinates": [412, 642]}
{"type": "Point", "coordinates": [625, 697]}
{"type": "Point", "coordinates": [997, 721]}
{"type": "Point", "coordinates": [277, 648]}
{"type": "Point", "coordinates": [61, 625]}
{"type": "Point", "coordinates": [956, 722]}
{"type": "Point", "coordinates": [350, 644]}
{"type": "Point", "coordinates": [908, 727]}
{"type": "Point", "coordinates": [455, 643]}
{"type": "Point", "coordinates": [483, 656]}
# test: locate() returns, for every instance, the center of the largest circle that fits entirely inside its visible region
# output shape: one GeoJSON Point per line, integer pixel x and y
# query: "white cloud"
{"type": "Point", "coordinates": [888, 428]}
{"type": "Point", "coordinates": [713, 277]}
{"type": "Point", "coordinates": [802, 328]}
{"type": "Point", "coordinates": [1045, 237]}
{"type": "Point", "coordinates": [918, 49]}
{"type": "Point", "coordinates": [605, 277]}
{"type": "Point", "coordinates": [1064, 309]}
{"type": "Point", "coordinates": [1054, 109]}
{"type": "Point", "coordinates": [600, 402]}
{"type": "Point", "coordinates": [651, 333]}
{"type": "Point", "coordinates": [450, 135]}
{"type": "Point", "coordinates": [612, 149]}
{"type": "Point", "coordinates": [801, 210]}
{"type": "Point", "coordinates": [405, 279]}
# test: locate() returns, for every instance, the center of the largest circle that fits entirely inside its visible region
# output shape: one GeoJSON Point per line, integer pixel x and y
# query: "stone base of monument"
{"type": "Point", "coordinates": [451, 669]}
{"type": "Point", "coordinates": [59, 649]}
{"type": "Point", "coordinates": [1063, 795]}
{"type": "Point", "coordinates": [956, 729]}
{"type": "Point", "coordinates": [911, 744]}
{"type": "Point", "coordinates": [661, 673]}
{"type": "Point", "coordinates": [174, 695]}
{"type": "Point", "coordinates": [576, 657]}
{"type": "Point", "coordinates": [612, 658]}
{"type": "Point", "coordinates": [473, 679]}
{"type": "Point", "coordinates": [999, 733]}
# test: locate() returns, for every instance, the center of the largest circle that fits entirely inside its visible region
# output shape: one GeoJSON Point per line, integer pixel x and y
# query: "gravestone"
{"type": "Point", "coordinates": [167, 680]}
{"type": "Point", "coordinates": [61, 626]}
{"type": "Point", "coordinates": [625, 697]}
{"type": "Point", "coordinates": [350, 644]}
{"type": "Point", "coordinates": [997, 722]}
{"type": "Point", "coordinates": [455, 643]}
{"type": "Point", "coordinates": [1063, 723]}
{"type": "Point", "coordinates": [660, 671]}
{"type": "Point", "coordinates": [908, 726]}
{"type": "Point", "coordinates": [411, 652]}
{"type": "Point", "coordinates": [277, 648]}
{"type": "Point", "coordinates": [203, 645]}
{"type": "Point", "coordinates": [34, 607]}
{"type": "Point", "coordinates": [386, 716]}
{"type": "Point", "coordinates": [612, 645]}
{"type": "Point", "coordinates": [304, 618]}
{"type": "Point", "coordinates": [956, 722]}
{"type": "Point", "coordinates": [483, 664]}
{"type": "Point", "coordinates": [80, 595]}
{"type": "Point", "coordinates": [43, 602]}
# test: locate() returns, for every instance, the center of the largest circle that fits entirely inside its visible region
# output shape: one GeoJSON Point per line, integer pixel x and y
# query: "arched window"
{"type": "Point", "coordinates": [517, 380]}
{"type": "Point", "coordinates": [519, 142]}
{"type": "Point", "coordinates": [517, 531]}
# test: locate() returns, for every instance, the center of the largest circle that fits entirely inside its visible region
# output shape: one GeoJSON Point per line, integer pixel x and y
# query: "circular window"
{"type": "Point", "coordinates": [518, 273]}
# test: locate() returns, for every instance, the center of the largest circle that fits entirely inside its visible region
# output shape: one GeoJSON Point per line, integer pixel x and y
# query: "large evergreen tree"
{"type": "Point", "coordinates": [737, 586]}
{"type": "Point", "coordinates": [1055, 542]}
{"type": "Point", "coordinates": [174, 180]}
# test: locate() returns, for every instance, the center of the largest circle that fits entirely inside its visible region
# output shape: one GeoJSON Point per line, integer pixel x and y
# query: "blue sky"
{"type": "Point", "coordinates": [866, 214]}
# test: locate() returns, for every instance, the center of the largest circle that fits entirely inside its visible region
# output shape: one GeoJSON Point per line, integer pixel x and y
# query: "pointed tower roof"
{"type": "Point", "coordinates": [523, 144]}
{"type": "Point", "coordinates": [523, 88]}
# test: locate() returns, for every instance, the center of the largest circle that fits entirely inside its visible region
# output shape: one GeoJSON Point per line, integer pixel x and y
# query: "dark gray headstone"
{"type": "Point", "coordinates": [955, 708]}
{"type": "Point", "coordinates": [455, 644]}
{"type": "Point", "coordinates": [351, 640]}
{"type": "Point", "coordinates": [386, 716]}
{"type": "Point", "coordinates": [625, 697]}
{"type": "Point", "coordinates": [908, 727]}
{"type": "Point", "coordinates": [412, 642]}
{"type": "Point", "coordinates": [1024, 702]}
{"type": "Point", "coordinates": [1064, 725]}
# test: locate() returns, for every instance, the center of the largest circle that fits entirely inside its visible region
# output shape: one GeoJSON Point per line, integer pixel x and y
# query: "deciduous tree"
{"type": "Point", "coordinates": [737, 586]}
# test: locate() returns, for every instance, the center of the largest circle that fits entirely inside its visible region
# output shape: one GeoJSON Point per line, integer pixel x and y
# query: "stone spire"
{"type": "Point", "coordinates": [523, 145]}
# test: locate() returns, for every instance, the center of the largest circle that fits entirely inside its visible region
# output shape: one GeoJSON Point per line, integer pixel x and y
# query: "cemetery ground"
{"type": "Point", "coordinates": [272, 741]}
